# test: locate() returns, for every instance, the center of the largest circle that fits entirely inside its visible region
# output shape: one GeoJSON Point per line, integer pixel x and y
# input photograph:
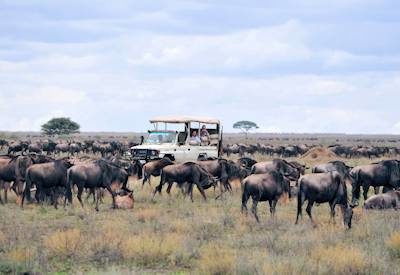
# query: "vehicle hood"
{"type": "Point", "coordinates": [153, 146]}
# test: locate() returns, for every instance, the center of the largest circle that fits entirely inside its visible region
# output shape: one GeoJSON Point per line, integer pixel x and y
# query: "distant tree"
{"type": "Point", "coordinates": [245, 126]}
{"type": "Point", "coordinates": [60, 126]}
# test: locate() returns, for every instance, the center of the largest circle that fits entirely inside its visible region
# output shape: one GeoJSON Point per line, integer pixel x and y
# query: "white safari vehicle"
{"type": "Point", "coordinates": [171, 137]}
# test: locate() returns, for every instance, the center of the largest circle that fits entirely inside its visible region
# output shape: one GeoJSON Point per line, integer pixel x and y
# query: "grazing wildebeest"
{"type": "Point", "coordinates": [98, 174]}
{"type": "Point", "coordinates": [190, 173]}
{"type": "Point", "coordinates": [321, 188]}
{"type": "Point", "coordinates": [288, 170]}
{"type": "Point", "coordinates": [48, 178]}
{"type": "Point", "coordinates": [383, 201]}
{"type": "Point", "coordinates": [264, 187]}
{"type": "Point", "coordinates": [385, 173]}
{"type": "Point", "coordinates": [224, 171]}
{"type": "Point", "coordinates": [153, 168]}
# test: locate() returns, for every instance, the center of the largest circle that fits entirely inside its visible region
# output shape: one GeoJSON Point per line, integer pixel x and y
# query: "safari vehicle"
{"type": "Point", "coordinates": [171, 138]}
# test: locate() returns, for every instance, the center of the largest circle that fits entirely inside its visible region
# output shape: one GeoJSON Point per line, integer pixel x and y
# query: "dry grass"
{"type": "Point", "coordinates": [340, 259]}
{"type": "Point", "coordinates": [63, 243]}
{"type": "Point", "coordinates": [174, 235]}
{"type": "Point", "coordinates": [216, 259]}
{"type": "Point", "coordinates": [393, 244]}
{"type": "Point", "coordinates": [152, 251]}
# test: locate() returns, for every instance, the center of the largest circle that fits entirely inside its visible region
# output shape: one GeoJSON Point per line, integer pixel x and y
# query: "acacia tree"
{"type": "Point", "coordinates": [60, 126]}
{"type": "Point", "coordinates": [245, 126]}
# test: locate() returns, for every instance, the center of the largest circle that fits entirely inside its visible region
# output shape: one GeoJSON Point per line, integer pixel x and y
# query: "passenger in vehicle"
{"type": "Point", "coordinates": [194, 139]}
{"type": "Point", "coordinates": [204, 135]}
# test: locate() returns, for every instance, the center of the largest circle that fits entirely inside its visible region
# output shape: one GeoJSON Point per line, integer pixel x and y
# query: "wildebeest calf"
{"type": "Point", "coordinates": [384, 201]}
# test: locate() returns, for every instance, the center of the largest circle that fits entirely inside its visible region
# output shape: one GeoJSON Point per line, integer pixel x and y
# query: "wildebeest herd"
{"type": "Point", "coordinates": [51, 171]}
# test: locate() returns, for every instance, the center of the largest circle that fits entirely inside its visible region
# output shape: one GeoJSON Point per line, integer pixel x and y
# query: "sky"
{"type": "Point", "coordinates": [293, 66]}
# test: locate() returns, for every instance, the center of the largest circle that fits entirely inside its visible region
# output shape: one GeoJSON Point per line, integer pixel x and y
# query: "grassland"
{"type": "Point", "coordinates": [174, 235]}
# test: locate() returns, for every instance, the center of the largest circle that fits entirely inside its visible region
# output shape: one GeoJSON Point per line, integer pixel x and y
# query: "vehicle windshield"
{"type": "Point", "coordinates": [161, 137]}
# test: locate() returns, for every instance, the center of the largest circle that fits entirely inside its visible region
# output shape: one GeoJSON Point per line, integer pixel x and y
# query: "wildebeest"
{"type": "Point", "coordinates": [190, 173]}
{"type": "Point", "coordinates": [223, 170]}
{"type": "Point", "coordinates": [35, 147]}
{"type": "Point", "coordinates": [17, 146]}
{"type": "Point", "coordinates": [246, 163]}
{"type": "Point", "coordinates": [48, 178]}
{"type": "Point", "coordinates": [336, 165]}
{"type": "Point", "coordinates": [321, 188]}
{"type": "Point", "coordinates": [7, 174]}
{"type": "Point", "coordinates": [385, 173]}
{"type": "Point", "coordinates": [62, 148]}
{"type": "Point", "coordinates": [383, 201]}
{"type": "Point", "coordinates": [153, 168]}
{"type": "Point", "coordinates": [124, 200]}
{"type": "Point", "coordinates": [285, 168]}
{"type": "Point", "coordinates": [264, 187]}
{"type": "Point", "coordinates": [98, 174]}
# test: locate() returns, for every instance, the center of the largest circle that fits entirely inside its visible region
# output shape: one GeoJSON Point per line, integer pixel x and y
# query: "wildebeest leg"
{"type": "Point", "coordinates": [245, 198]}
{"type": "Point", "coordinates": [201, 191]}
{"type": "Point", "coordinates": [54, 194]}
{"type": "Point", "coordinates": [300, 201]}
{"type": "Point", "coordinates": [308, 210]}
{"type": "Point", "coordinates": [376, 190]}
{"type": "Point", "coordinates": [112, 195]}
{"type": "Point", "coordinates": [6, 186]}
{"type": "Point", "coordinates": [272, 207]}
{"type": "Point", "coordinates": [365, 192]}
{"type": "Point", "coordinates": [169, 187]}
{"type": "Point", "coordinates": [97, 195]}
{"type": "Point", "coordinates": [254, 209]}
{"type": "Point", "coordinates": [79, 196]}
{"type": "Point", "coordinates": [332, 205]}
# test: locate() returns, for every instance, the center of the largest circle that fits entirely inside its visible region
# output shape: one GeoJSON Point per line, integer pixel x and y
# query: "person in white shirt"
{"type": "Point", "coordinates": [194, 139]}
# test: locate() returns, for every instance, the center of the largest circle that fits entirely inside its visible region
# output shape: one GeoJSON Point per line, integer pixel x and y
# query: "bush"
{"type": "Point", "coordinates": [63, 243]}
{"type": "Point", "coordinates": [340, 259]}
{"type": "Point", "coordinates": [215, 259]}
{"type": "Point", "coordinates": [394, 245]}
{"type": "Point", "coordinates": [152, 251]}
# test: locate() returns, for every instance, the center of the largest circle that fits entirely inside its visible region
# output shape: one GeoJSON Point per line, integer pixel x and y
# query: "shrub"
{"type": "Point", "coordinates": [215, 259]}
{"type": "Point", "coordinates": [152, 250]}
{"type": "Point", "coordinates": [393, 244]}
{"type": "Point", "coordinates": [63, 243]}
{"type": "Point", "coordinates": [340, 259]}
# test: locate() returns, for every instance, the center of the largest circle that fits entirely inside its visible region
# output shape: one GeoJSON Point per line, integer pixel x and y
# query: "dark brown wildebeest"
{"type": "Point", "coordinates": [285, 168]}
{"type": "Point", "coordinates": [35, 148]}
{"type": "Point", "coordinates": [153, 168]}
{"type": "Point", "coordinates": [224, 171]}
{"type": "Point", "coordinates": [48, 179]}
{"type": "Point", "coordinates": [384, 201]}
{"type": "Point", "coordinates": [321, 188]}
{"type": "Point", "coordinates": [17, 146]}
{"type": "Point", "coordinates": [62, 148]}
{"type": "Point", "coordinates": [190, 173]}
{"type": "Point", "coordinates": [7, 174]}
{"type": "Point", "coordinates": [49, 147]}
{"type": "Point", "coordinates": [75, 148]}
{"type": "Point", "coordinates": [246, 163]}
{"type": "Point", "coordinates": [98, 174]}
{"type": "Point", "coordinates": [300, 167]}
{"type": "Point", "coordinates": [264, 187]}
{"type": "Point", "coordinates": [385, 173]}
{"type": "Point", "coordinates": [3, 143]}
{"type": "Point", "coordinates": [331, 166]}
